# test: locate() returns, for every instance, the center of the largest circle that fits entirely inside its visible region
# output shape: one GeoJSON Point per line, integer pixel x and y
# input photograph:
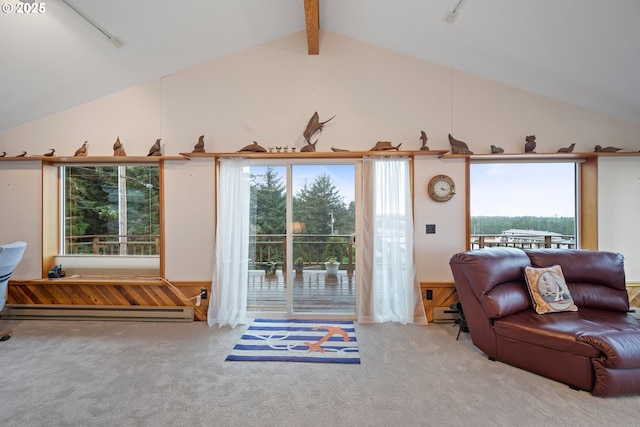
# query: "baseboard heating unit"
{"type": "Point", "coordinates": [97, 312]}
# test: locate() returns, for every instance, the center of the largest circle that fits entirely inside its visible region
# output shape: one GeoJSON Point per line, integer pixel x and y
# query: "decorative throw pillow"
{"type": "Point", "coordinates": [548, 289]}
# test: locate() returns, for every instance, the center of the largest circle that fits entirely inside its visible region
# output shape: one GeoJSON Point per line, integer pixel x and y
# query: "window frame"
{"type": "Point", "coordinates": [586, 232]}
{"type": "Point", "coordinates": [52, 217]}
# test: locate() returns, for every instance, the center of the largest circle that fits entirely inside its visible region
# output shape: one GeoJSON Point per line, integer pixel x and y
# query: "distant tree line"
{"type": "Point", "coordinates": [498, 224]}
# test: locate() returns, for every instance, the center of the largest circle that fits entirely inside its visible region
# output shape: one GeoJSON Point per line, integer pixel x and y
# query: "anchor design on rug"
{"type": "Point", "coordinates": [332, 330]}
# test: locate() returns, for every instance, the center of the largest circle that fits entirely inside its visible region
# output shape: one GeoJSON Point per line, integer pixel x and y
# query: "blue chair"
{"type": "Point", "coordinates": [10, 257]}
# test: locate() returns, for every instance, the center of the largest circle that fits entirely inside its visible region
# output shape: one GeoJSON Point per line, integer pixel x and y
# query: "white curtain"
{"type": "Point", "coordinates": [390, 291]}
{"type": "Point", "coordinates": [228, 305]}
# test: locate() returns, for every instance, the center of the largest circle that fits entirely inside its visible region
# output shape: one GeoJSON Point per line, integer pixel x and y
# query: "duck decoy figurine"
{"type": "Point", "coordinates": [24, 153]}
{"type": "Point", "coordinates": [50, 153]}
{"type": "Point", "coordinates": [599, 149]}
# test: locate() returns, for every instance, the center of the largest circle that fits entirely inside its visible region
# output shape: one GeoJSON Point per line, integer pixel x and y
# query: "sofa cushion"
{"type": "Point", "coordinates": [596, 279]}
{"type": "Point", "coordinates": [561, 331]}
{"type": "Point", "coordinates": [548, 290]}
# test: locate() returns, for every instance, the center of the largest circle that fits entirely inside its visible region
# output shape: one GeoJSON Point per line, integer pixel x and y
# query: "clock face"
{"type": "Point", "coordinates": [441, 188]}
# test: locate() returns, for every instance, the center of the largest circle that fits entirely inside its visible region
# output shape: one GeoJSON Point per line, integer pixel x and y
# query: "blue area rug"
{"type": "Point", "coordinates": [286, 340]}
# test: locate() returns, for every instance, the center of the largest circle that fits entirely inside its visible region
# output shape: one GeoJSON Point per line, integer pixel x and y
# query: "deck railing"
{"type": "Point", "coordinates": [310, 251]}
{"type": "Point", "coordinates": [109, 244]}
{"type": "Point", "coordinates": [267, 251]}
{"type": "Point", "coordinates": [523, 241]}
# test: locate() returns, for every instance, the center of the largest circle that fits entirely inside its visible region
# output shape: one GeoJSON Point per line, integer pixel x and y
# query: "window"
{"type": "Point", "coordinates": [525, 205]}
{"type": "Point", "coordinates": [110, 210]}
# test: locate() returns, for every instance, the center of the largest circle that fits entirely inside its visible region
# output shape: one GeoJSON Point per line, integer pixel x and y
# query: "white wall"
{"type": "Point", "coordinates": [268, 93]}
{"type": "Point", "coordinates": [619, 201]}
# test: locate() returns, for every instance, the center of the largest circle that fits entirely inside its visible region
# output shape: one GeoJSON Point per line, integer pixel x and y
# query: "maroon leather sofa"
{"type": "Point", "coordinates": [596, 348]}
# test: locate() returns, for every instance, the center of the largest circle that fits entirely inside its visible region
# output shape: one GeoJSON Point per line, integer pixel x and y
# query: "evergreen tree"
{"type": "Point", "coordinates": [269, 203]}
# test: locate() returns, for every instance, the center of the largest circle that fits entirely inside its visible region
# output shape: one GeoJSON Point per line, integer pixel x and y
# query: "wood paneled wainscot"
{"type": "Point", "coordinates": [442, 294]}
{"type": "Point", "coordinates": [88, 292]}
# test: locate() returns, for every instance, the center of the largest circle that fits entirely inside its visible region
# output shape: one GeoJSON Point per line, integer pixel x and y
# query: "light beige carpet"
{"type": "Point", "coordinates": [94, 373]}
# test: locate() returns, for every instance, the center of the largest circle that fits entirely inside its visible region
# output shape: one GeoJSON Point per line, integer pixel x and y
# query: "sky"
{"type": "Point", "coordinates": [523, 189]}
{"type": "Point", "coordinates": [497, 189]}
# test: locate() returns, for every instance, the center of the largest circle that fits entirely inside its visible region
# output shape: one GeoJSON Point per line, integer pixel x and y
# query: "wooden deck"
{"type": "Point", "coordinates": [314, 291]}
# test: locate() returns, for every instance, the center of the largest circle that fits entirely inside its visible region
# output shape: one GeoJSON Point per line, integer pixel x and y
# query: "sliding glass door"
{"type": "Point", "coordinates": [302, 245]}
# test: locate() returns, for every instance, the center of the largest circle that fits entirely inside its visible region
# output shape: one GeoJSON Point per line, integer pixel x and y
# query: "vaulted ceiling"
{"type": "Point", "coordinates": [583, 52]}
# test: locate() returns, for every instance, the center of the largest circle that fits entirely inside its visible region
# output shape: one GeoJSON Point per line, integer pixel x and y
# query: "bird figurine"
{"type": "Point", "coordinates": [50, 153]}
{"type": "Point", "coordinates": [24, 153]}
{"type": "Point", "coordinates": [423, 141]}
{"type": "Point", "coordinates": [155, 149]}
{"type": "Point", "coordinates": [338, 150]}
{"type": "Point", "coordinates": [82, 151]}
{"type": "Point", "coordinates": [530, 144]}
{"type": "Point", "coordinates": [496, 150]}
{"type": "Point", "coordinates": [199, 147]}
{"type": "Point", "coordinates": [4, 153]}
{"type": "Point", "coordinates": [253, 148]}
{"type": "Point", "coordinates": [458, 147]}
{"type": "Point", "coordinates": [568, 149]}
{"type": "Point", "coordinates": [118, 151]}
{"type": "Point", "coordinates": [314, 125]}
{"type": "Point", "coordinates": [599, 149]}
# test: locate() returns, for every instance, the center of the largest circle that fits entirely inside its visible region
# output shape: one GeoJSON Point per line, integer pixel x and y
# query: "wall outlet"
{"type": "Point", "coordinates": [431, 229]}
{"type": "Point", "coordinates": [428, 294]}
{"type": "Point", "coordinates": [204, 293]}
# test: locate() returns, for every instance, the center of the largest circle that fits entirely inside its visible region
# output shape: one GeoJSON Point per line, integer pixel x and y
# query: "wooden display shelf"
{"type": "Point", "coordinates": [94, 159]}
{"type": "Point", "coordinates": [539, 156]}
{"type": "Point", "coordinates": [319, 154]}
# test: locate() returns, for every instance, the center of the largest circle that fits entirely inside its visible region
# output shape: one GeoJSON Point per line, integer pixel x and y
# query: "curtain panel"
{"type": "Point", "coordinates": [228, 305]}
{"type": "Point", "coordinates": [389, 291]}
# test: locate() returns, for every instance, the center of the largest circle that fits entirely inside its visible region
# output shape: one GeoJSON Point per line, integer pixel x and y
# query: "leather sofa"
{"type": "Point", "coordinates": [596, 348]}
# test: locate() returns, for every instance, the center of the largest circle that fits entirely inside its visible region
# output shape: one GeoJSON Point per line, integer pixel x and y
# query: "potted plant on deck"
{"type": "Point", "coordinates": [299, 265]}
{"type": "Point", "coordinates": [332, 265]}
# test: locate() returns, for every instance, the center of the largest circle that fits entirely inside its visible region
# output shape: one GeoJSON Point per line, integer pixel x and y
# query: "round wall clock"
{"type": "Point", "coordinates": [441, 188]}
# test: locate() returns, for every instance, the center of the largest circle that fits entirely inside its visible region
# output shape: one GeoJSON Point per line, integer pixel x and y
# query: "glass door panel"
{"type": "Point", "coordinates": [267, 289]}
{"type": "Point", "coordinates": [322, 230]}
{"type": "Point", "coordinates": [316, 253]}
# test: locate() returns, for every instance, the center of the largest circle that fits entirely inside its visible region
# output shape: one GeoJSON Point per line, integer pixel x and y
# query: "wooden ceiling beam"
{"type": "Point", "coordinates": [312, 16]}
